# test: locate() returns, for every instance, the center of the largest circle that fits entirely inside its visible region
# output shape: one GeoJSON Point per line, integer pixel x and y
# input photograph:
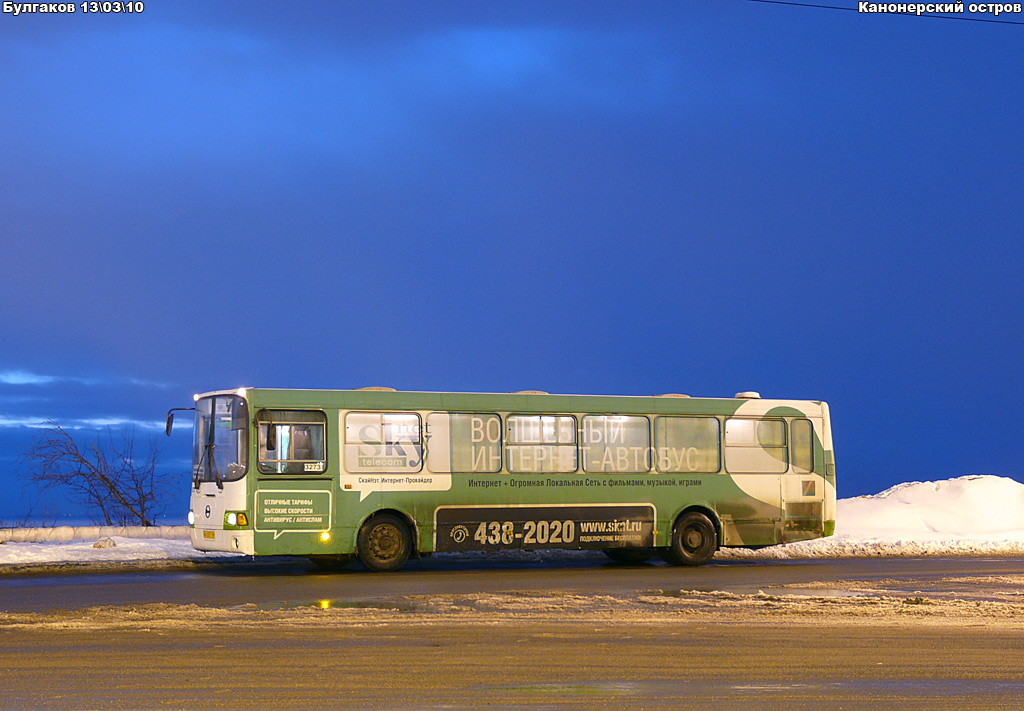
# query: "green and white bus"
{"type": "Point", "coordinates": [381, 475]}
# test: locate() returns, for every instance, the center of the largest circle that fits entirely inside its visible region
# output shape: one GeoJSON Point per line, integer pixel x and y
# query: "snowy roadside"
{"type": "Point", "coordinates": [105, 550]}
{"type": "Point", "coordinates": [64, 534]}
{"type": "Point", "coordinates": [967, 516]}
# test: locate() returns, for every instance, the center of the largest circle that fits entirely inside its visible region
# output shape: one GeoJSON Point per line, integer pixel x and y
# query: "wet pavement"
{"type": "Point", "coordinates": [295, 581]}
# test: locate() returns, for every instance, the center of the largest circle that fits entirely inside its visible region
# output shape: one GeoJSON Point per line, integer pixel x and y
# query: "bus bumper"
{"type": "Point", "coordinates": [205, 539]}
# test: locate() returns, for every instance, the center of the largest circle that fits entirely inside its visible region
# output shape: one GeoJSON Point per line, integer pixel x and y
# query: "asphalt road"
{"type": "Point", "coordinates": [296, 582]}
{"type": "Point", "coordinates": [466, 634]}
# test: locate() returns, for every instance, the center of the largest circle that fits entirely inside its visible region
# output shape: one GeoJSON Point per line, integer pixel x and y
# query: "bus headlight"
{"type": "Point", "coordinates": [236, 518]}
{"type": "Point", "coordinates": [191, 518]}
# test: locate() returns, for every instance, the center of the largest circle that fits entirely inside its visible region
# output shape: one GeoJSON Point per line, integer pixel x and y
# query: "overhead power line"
{"type": "Point", "coordinates": [924, 14]}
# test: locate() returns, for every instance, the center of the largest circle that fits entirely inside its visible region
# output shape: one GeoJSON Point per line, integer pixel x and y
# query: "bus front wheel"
{"type": "Point", "coordinates": [694, 540]}
{"type": "Point", "coordinates": [384, 543]}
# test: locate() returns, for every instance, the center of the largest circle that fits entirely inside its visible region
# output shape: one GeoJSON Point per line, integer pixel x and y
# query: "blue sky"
{"type": "Point", "coordinates": [621, 198]}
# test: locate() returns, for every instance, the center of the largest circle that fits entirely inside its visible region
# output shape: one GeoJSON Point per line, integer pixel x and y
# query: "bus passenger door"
{"type": "Point", "coordinates": [294, 496]}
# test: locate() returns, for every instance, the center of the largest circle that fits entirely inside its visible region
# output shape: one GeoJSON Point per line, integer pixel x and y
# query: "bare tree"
{"type": "Point", "coordinates": [105, 475]}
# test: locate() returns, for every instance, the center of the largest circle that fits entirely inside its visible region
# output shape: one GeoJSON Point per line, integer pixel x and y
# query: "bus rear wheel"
{"type": "Point", "coordinates": [694, 540]}
{"type": "Point", "coordinates": [384, 542]}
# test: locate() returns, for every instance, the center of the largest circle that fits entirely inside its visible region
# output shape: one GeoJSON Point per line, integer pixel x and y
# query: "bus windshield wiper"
{"type": "Point", "coordinates": [207, 455]}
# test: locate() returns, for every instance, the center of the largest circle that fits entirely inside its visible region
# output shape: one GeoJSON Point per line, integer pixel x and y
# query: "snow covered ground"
{"type": "Point", "coordinates": [970, 515]}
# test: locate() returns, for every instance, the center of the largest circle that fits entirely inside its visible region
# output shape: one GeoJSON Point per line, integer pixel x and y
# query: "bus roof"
{"type": "Point", "coordinates": [527, 401]}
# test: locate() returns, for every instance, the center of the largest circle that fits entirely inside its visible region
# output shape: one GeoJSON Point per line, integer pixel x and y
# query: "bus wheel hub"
{"type": "Point", "coordinates": [384, 541]}
{"type": "Point", "coordinates": [693, 539]}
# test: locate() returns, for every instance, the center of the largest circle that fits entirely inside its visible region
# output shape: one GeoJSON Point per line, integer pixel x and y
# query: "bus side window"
{"type": "Point", "coordinates": [803, 445]}
{"type": "Point", "coordinates": [537, 444]}
{"type": "Point", "coordinates": [616, 443]}
{"type": "Point", "coordinates": [383, 442]}
{"type": "Point", "coordinates": [756, 446]}
{"type": "Point", "coordinates": [688, 444]}
{"type": "Point", "coordinates": [292, 441]}
{"type": "Point", "coordinates": [463, 442]}
{"type": "Point", "coordinates": [302, 443]}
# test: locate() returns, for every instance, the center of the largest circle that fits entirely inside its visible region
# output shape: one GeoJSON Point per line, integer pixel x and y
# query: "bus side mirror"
{"type": "Point", "coordinates": [170, 418]}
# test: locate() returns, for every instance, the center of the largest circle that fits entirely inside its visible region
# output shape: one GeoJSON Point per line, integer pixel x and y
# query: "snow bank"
{"type": "Point", "coordinates": [968, 507]}
{"type": "Point", "coordinates": [971, 515]}
{"type": "Point", "coordinates": [63, 534]}
{"type": "Point", "coordinates": [123, 550]}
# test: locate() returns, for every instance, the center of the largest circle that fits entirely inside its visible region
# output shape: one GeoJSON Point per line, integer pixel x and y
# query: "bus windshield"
{"type": "Point", "coordinates": [221, 443]}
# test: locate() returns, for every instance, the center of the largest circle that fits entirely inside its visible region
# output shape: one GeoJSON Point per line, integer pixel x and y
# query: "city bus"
{"type": "Point", "coordinates": [381, 475]}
